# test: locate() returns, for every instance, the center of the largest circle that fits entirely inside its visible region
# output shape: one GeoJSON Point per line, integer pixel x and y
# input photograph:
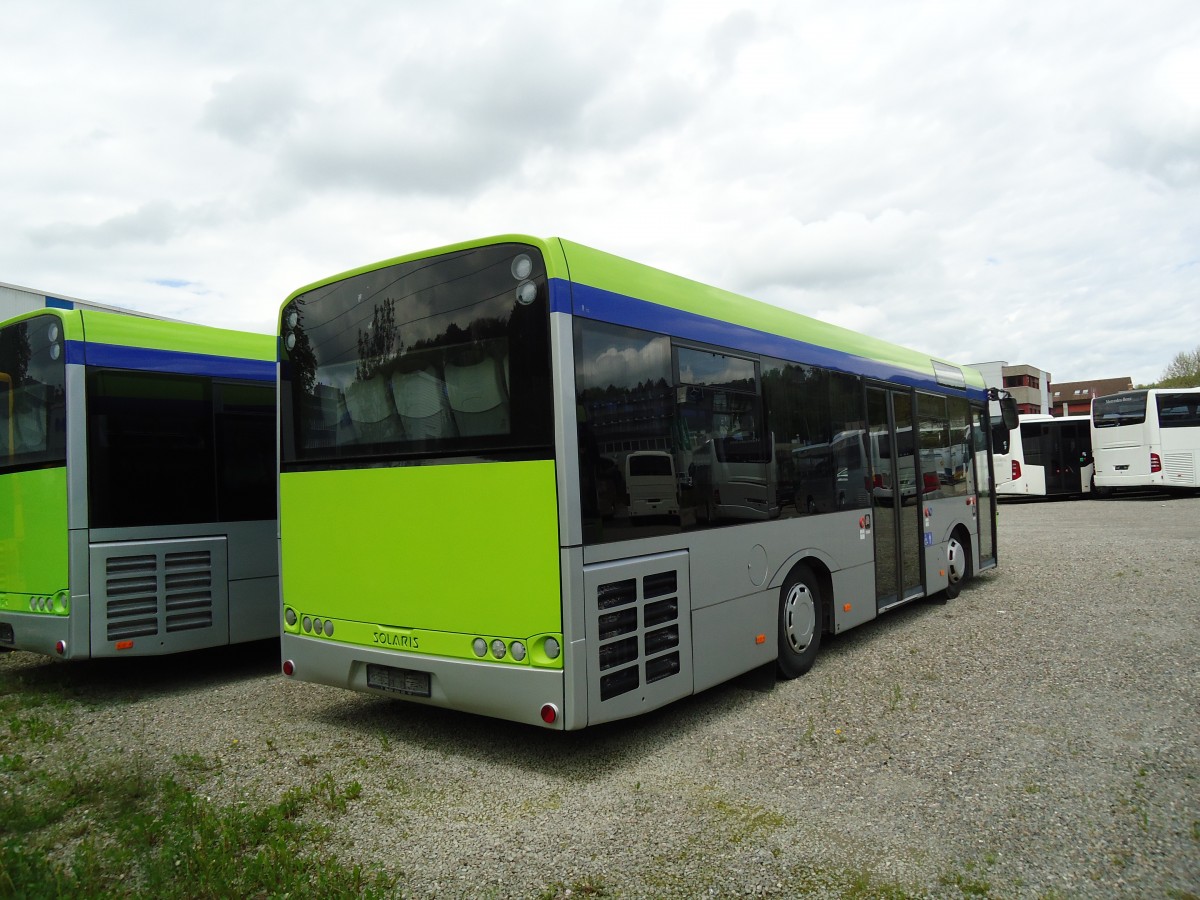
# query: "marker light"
{"type": "Point", "coordinates": [549, 713]}
{"type": "Point", "coordinates": [518, 651]}
{"type": "Point", "coordinates": [61, 648]}
{"type": "Point", "coordinates": [124, 645]}
{"type": "Point", "coordinates": [521, 267]}
{"type": "Point", "coordinates": [526, 292]}
{"type": "Point", "coordinates": [289, 668]}
{"type": "Point", "coordinates": [480, 647]}
{"type": "Point", "coordinates": [551, 647]}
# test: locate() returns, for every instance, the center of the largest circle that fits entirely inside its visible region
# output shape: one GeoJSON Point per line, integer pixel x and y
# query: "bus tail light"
{"type": "Point", "coordinates": [1016, 470]}
{"type": "Point", "coordinates": [1155, 462]}
{"type": "Point", "coordinates": [289, 668]}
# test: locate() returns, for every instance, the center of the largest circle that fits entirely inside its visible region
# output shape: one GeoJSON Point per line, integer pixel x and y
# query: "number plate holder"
{"type": "Point", "coordinates": [398, 681]}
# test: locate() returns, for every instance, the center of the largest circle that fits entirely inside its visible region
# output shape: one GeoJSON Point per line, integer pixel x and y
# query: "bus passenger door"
{"type": "Point", "coordinates": [985, 487]}
{"type": "Point", "coordinates": [895, 500]}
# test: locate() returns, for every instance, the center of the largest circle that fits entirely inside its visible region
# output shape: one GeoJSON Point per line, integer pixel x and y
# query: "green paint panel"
{"type": "Point", "coordinates": [153, 334]}
{"type": "Point", "coordinates": [468, 549]}
{"type": "Point", "coordinates": [622, 276]}
{"type": "Point", "coordinates": [33, 538]}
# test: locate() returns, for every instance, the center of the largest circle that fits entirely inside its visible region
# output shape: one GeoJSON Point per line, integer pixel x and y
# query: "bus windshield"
{"type": "Point", "coordinates": [442, 356]}
{"type": "Point", "coordinates": [32, 394]}
{"type": "Point", "coordinates": [1119, 409]}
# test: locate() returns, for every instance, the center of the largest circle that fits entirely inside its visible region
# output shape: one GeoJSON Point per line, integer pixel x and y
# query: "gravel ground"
{"type": "Point", "coordinates": [1036, 737]}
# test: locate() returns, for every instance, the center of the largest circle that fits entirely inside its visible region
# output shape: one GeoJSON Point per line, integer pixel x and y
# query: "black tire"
{"type": "Point", "coordinates": [958, 564]}
{"type": "Point", "coordinates": [801, 621]}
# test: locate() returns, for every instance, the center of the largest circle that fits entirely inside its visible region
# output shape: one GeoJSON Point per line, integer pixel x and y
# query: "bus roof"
{"type": "Point", "coordinates": [626, 292]}
{"type": "Point", "coordinates": [133, 342]}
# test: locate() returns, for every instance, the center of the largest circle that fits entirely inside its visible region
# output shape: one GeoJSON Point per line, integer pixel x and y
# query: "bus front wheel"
{"type": "Point", "coordinates": [801, 620]}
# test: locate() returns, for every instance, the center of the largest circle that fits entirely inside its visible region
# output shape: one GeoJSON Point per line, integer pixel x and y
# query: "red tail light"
{"type": "Point", "coordinates": [1016, 470]}
{"type": "Point", "coordinates": [1155, 462]}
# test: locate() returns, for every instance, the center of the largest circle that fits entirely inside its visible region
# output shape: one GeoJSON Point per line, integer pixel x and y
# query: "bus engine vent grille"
{"type": "Point", "coordinates": [131, 585]}
{"type": "Point", "coordinates": [155, 589]}
{"type": "Point", "coordinates": [188, 595]}
{"type": "Point", "coordinates": [637, 626]}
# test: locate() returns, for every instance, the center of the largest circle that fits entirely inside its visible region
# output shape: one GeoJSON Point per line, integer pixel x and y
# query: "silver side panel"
{"type": "Point", "coordinates": [566, 433]}
{"type": "Point", "coordinates": [575, 696]}
{"type": "Point", "coordinates": [159, 596]}
{"type": "Point", "coordinates": [254, 610]}
{"type": "Point", "coordinates": [727, 637]}
{"type": "Point", "coordinates": [516, 693]}
{"type": "Point", "coordinates": [639, 635]}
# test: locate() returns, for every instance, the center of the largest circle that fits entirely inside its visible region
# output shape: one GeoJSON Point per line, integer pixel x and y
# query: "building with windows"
{"type": "Point", "coordinates": [1028, 385]}
{"type": "Point", "coordinates": [1074, 398]}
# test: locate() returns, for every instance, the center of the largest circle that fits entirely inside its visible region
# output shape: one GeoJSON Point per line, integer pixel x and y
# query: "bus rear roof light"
{"type": "Point", "coordinates": [549, 713]}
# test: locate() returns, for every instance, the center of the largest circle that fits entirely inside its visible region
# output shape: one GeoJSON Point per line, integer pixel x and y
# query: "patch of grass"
{"type": "Point", "coordinates": [155, 838]}
{"type": "Point", "coordinates": [971, 882]}
{"type": "Point", "coordinates": [588, 887]}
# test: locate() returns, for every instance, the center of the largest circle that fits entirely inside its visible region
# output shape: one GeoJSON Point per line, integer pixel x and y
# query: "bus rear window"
{"type": "Point", "coordinates": [435, 357]}
{"type": "Point", "coordinates": [1119, 409]}
{"type": "Point", "coordinates": [33, 430]}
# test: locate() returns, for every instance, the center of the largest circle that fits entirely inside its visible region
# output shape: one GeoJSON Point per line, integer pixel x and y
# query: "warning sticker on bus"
{"type": "Point", "coordinates": [398, 681]}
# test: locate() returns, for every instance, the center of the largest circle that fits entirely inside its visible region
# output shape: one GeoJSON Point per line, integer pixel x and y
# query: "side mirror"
{"type": "Point", "coordinates": [1008, 412]}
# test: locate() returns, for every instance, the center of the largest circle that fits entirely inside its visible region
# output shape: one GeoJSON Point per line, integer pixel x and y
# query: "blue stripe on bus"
{"type": "Point", "coordinates": [170, 361]}
{"type": "Point", "coordinates": [619, 309]}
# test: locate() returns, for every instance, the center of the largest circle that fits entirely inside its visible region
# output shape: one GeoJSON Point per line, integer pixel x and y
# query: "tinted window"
{"type": "Point", "coordinates": [150, 449]}
{"type": "Point", "coordinates": [1179, 410]}
{"type": "Point", "coordinates": [441, 356]}
{"type": "Point", "coordinates": [176, 449]}
{"type": "Point", "coordinates": [33, 430]}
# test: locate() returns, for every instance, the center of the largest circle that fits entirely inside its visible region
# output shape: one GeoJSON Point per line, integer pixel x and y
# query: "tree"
{"type": "Point", "coordinates": [1182, 371]}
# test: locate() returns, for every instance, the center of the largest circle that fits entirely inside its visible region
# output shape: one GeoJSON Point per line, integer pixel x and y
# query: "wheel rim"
{"type": "Point", "coordinates": [800, 617]}
{"type": "Point", "coordinates": [956, 559]}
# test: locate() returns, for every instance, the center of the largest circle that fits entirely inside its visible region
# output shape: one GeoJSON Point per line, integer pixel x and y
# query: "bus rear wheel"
{"type": "Point", "coordinates": [958, 564]}
{"type": "Point", "coordinates": [801, 620]}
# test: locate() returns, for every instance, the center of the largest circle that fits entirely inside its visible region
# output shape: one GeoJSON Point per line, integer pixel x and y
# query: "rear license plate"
{"type": "Point", "coordinates": [398, 681]}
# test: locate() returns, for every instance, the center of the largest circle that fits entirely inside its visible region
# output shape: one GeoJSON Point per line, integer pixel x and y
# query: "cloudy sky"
{"type": "Point", "coordinates": [981, 181]}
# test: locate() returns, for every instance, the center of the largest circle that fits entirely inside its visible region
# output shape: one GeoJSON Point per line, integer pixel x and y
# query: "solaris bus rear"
{"type": "Point", "coordinates": [459, 430]}
{"type": "Point", "coordinates": [137, 481]}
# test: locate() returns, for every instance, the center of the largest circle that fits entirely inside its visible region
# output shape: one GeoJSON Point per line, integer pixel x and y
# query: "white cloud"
{"type": "Point", "coordinates": [980, 182]}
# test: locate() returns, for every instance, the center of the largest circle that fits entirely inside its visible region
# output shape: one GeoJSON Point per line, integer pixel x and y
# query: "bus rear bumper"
{"type": "Point", "coordinates": [37, 633]}
{"type": "Point", "coordinates": [516, 693]}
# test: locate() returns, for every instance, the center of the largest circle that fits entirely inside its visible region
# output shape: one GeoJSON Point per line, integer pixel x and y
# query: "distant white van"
{"type": "Point", "coordinates": [650, 484]}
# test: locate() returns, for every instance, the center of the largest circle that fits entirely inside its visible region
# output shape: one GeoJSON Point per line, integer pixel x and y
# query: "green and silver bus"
{"type": "Point", "coordinates": [137, 485]}
{"type": "Point", "coordinates": [459, 428]}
